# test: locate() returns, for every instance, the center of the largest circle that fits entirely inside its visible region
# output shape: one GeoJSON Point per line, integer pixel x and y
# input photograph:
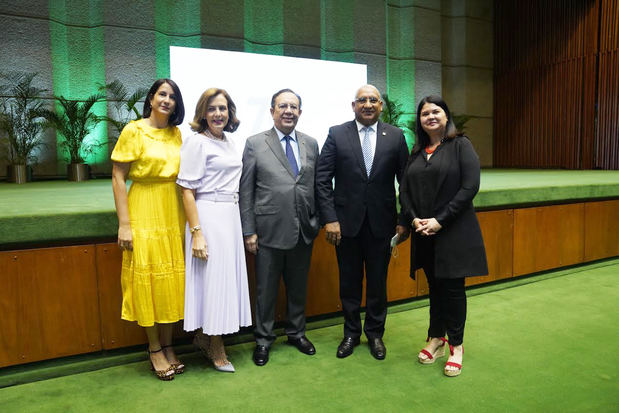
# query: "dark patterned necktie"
{"type": "Point", "coordinates": [290, 156]}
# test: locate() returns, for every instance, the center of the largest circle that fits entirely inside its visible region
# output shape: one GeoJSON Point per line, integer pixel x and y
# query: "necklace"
{"type": "Point", "coordinates": [431, 151]}
{"type": "Point", "coordinates": [208, 134]}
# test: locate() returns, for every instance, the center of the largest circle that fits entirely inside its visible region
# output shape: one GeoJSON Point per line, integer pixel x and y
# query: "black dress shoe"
{"type": "Point", "coordinates": [303, 344]}
{"type": "Point", "coordinates": [377, 348]}
{"type": "Point", "coordinates": [261, 355]}
{"type": "Point", "coordinates": [347, 346]}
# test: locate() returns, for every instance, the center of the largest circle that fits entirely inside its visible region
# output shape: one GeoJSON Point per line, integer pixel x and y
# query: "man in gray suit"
{"type": "Point", "coordinates": [279, 218]}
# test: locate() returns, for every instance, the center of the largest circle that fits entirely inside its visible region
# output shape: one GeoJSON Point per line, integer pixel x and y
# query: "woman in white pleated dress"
{"type": "Point", "coordinates": [216, 290]}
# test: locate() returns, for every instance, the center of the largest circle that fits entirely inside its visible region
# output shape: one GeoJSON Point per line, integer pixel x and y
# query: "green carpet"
{"type": "Point", "coordinates": [536, 344]}
{"type": "Point", "coordinates": [39, 212]}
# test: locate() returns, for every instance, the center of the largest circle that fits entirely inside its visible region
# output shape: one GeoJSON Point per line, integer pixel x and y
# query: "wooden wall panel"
{"type": "Point", "coordinates": [9, 304]}
{"type": "Point", "coordinates": [601, 229]}
{"type": "Point", "coordinates": [400, 285]}
{"type": "Point", "coordinates": [280, 306]}
{"type": "Point", "coordinates": [56, 311]}
{"type": "Point", "coordinates": [250, 261]}
{"type": "Point", "coordinates": [64, 301]}
{"type": "Point", "coordinates": [548, 237]}
{"type": "Point", "coordinates": [323, 285]}
{"type": "Point", "coordinates": [497, 228]}
{"type": "Point", "coordinates": [57, 320]}
{"type": "Point", "coordinates": [115, 332]}
{"type": "Point", "coordinates": [323, 280]}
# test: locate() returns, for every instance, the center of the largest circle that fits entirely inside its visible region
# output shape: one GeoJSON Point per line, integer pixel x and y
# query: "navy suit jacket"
{"type": "Point", "coordinates": [355, 194]}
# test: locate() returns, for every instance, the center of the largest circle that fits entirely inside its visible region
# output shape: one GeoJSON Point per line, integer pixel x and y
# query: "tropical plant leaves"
{"type": "Point", "coordinates": [124, 104]}
{"type": "Point", "coordinates": [74, 121]}
{"type": "Point", "coordinates": [392, 111]}
{"type": "Point", "coordinates": [21, 116]}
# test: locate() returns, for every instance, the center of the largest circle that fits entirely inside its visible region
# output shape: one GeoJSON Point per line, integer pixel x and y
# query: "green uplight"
{"type": "Point", "coordinates": [175, 26]}
{"type": "Point", "coordinates": [78, 64]}
{"type": "Point", "coordinates": [264, 26]}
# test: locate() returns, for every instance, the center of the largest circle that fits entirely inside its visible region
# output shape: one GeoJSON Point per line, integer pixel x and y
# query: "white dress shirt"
{"type": "Point", "coordinates": [293, 143]}
{"type": "Point", "coordinates": [372, 135]}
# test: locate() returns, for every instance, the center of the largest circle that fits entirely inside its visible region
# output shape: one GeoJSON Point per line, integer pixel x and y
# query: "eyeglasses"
{"type": "Point", "coordinates": [284, 106]}
{"type": "Point", "coordinates": [363, 100]}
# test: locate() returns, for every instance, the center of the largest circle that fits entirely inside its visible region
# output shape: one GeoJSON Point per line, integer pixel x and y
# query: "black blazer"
{"type": "Point", "coordinates": [355, 193]}
{"type": "Point", "coordinates": [458, 247]}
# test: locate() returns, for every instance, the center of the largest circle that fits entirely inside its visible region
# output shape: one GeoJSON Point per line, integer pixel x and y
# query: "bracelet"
{"type": "Point", "coordinates": [194, 229]}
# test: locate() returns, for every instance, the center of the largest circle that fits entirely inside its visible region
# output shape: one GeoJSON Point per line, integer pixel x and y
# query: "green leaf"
{"type": "Point", "coordinates": [392, 111]}
{"type": "Point", "coordinates": [124, 104]}
{"type": "Point", "coordinates": [21, 121]}
{"type": "Point", "coordinates": [74, 121]}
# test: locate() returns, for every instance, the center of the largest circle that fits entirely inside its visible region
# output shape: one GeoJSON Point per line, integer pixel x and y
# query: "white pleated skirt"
{"type": "Point", "coordinates": [216, 290]}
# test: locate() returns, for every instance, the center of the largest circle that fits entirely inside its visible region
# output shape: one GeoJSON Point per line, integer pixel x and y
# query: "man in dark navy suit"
{"type": "Point", "coordinates": [365, 157]}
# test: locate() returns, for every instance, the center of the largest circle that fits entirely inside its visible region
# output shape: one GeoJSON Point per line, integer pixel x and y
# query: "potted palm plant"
{"type": "Point", "coordinates": [124, 104]}
{"type": "Point", "coordinates": [21, 122]}
{"type": "Point", "coordinates": [392, 111]}
{"type": "Point", "coordinates": [74, 120]}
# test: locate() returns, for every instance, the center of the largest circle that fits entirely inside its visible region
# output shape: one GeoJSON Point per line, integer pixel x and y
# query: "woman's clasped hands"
{"type": "Point", "coordinates": [426, 226]}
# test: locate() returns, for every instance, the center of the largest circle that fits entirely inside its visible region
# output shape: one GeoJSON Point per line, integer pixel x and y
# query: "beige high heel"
{"type": "Point", "coordinates": [205, 344]}
{"type": "Point", "coordinates": [431, 357]}
{"type": "Point", "coordinates": [458, 366]}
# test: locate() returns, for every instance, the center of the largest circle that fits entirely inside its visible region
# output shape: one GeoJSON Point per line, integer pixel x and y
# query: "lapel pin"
{"type": "Point", "coordinates": [384, 133]}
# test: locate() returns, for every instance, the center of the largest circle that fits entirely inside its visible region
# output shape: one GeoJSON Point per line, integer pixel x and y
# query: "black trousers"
{"type": "Point", "coordinates": [447, 306]}
{"type": "Point", "coordinates": [353, 254]}
{"type": "Point", "coordinates": [271, 265]}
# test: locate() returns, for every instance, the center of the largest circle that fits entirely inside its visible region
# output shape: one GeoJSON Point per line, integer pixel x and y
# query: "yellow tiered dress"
{"type": "Point", "coordinates": [153, 274]}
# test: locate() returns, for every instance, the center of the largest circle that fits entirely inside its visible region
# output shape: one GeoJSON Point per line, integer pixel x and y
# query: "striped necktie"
{"type": "Point", "coordinates": [366, 148]}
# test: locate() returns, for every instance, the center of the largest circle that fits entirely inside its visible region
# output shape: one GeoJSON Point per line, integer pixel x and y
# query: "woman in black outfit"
{"type": "Point", "coordinates": [440, 182]}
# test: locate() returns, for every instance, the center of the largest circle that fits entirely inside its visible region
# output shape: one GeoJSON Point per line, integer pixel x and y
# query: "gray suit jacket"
{"type": "Point", "coordinates": [274, 204]}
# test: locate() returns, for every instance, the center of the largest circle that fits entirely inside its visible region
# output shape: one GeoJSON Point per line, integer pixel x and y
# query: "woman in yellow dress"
{"type": "Point", "coordinates": [150, 222]}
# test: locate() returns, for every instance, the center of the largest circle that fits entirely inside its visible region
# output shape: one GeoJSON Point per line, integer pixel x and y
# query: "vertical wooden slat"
{"type": "Point", "coordinates": [607, 133]}
{"type": "Point", "coordinates": [545, 84]}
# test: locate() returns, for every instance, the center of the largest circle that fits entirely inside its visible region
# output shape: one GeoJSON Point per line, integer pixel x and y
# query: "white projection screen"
{"type": "Point", "coordinates": [326, 88]}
